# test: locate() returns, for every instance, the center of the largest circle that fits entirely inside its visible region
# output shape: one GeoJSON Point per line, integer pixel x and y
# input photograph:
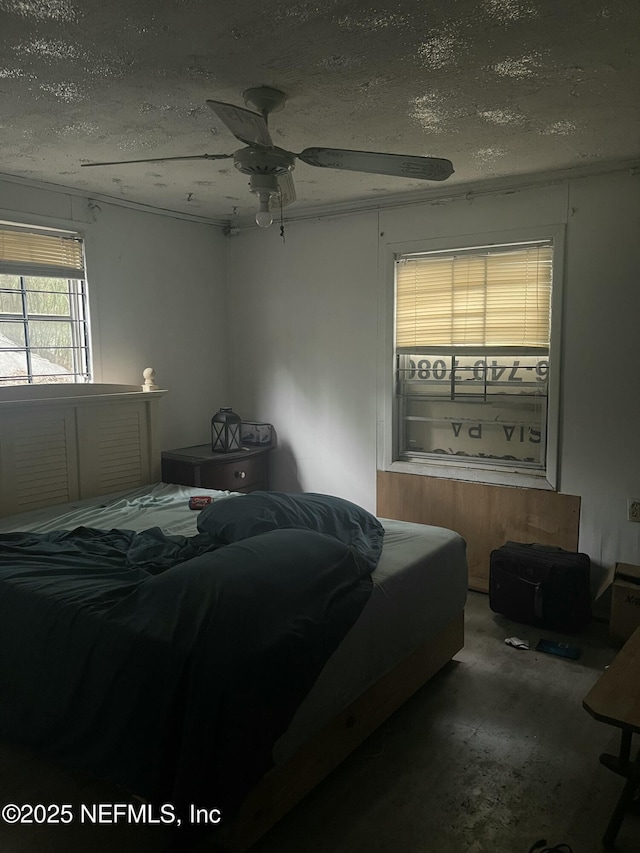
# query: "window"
{"type": "Point", "coordinates": [473, 357]}
{"type": "Point", "coordinates": [44, 334]}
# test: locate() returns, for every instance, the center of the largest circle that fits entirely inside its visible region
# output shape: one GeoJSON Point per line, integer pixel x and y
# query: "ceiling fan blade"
{"type": "Point", "coordinates": [287, 189]}
{"type": "Point", "coordinates": [163, 159]}
{"type": "Point", "coordinates": [404, 166]}
{"type": "Point", "coordinates": [247, 126]}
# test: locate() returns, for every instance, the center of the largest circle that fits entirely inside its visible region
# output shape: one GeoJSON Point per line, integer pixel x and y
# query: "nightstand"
{"type": "Point", "coordinates": [243, 471]}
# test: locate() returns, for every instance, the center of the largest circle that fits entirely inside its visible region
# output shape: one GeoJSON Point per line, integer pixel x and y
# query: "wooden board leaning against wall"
{"type": "Point", "coordinates": [486, 516]}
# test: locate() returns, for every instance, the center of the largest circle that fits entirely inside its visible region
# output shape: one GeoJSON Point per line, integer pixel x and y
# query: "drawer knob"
{"type": "Point", "coordinates": [240, 474]}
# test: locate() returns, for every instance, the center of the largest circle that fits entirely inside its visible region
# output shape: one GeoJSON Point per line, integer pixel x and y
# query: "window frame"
{"type": "Point", "coordinates": [76, 288]}
{"type": "Point", "coordinates": [452, 467]}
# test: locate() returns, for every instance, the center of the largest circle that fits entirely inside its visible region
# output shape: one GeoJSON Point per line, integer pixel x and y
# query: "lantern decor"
{"type": "Point", "coordinates": [225, 431]}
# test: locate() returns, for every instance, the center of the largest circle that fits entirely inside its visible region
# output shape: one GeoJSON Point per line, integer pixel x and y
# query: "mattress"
{"type": "Point", "coordinates": [419, 585]}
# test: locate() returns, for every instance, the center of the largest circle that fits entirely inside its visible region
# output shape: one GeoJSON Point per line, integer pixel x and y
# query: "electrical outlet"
{"type": "Point", "coordinates": [633, 509]}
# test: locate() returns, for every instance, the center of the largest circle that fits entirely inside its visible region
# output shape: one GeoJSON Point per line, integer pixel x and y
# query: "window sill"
{"type": "Point", "coordinates": [473, 474]}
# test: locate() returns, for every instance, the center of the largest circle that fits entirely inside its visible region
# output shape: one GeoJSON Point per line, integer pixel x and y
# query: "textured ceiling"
{"type": "Point", "coordinates": [500, 87]}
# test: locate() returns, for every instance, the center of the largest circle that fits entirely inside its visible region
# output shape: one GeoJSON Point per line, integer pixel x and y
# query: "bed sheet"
{"type": "Point", "coordinates": [161, 505]}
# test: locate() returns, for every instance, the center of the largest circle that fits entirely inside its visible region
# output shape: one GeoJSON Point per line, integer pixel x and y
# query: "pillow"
{"type": "Point", "coordinates": [237, 518]}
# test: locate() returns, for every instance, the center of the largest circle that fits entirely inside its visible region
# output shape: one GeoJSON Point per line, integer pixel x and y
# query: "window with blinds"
{"type": "Point", "coordinates": [472, 338]}
{"type": "Point", "coordinates": [44, 334]}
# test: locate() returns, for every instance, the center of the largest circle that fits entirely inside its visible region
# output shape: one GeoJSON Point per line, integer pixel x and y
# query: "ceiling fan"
{"type": "Point", "coordinates": [270, 167]}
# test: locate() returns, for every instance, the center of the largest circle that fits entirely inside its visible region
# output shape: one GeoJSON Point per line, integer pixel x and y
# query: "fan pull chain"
{"type": "Point", "coordinates": [282, 221]}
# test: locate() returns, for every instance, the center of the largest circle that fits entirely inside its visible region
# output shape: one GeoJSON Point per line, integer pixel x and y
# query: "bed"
{"type": "Point", "coordinates": [399, 623]}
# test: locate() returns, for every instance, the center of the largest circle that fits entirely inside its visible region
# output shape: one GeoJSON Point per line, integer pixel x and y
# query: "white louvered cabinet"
{"type": "Point", "coordinates": [114, 447]}
{"type": "Point", "coordinates": [80, 442]}
{"type": "Point", "coordinates": [38, 460]}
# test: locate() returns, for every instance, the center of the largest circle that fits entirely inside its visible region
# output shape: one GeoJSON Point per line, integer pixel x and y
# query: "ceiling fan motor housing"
{"type": "Point", "coordinates": [263, 161]}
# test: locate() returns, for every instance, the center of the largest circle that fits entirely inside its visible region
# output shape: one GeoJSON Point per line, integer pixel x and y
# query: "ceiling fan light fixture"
{"type": "Point", "coordinates": [264, 217]}
{"type": "Point", "coordinates": [266, 188]}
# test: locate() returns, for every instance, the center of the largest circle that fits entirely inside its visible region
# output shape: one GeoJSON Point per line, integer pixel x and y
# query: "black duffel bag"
{"type": "Point", "coordinates": [540, 585]}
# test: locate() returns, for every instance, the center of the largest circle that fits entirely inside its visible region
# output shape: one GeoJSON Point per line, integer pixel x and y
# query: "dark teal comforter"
{"type": "Point", "coordinates": [166, 664]}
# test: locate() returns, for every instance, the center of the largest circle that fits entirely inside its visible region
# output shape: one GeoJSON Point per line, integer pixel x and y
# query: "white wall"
{"type": "Point", "coordinates": [601, 381]}
{"type": "Point", "coordinates": [306, 340]}
{"type": "Point", "coordinates": [157, 298]}
{"type": "Point", "coordinates": [304, 317]}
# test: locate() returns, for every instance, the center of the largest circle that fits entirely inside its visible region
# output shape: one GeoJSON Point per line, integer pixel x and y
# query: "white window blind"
{"type": "Point", "coordinates": [39, 254]}
{"type": "Point", "coordinates": [489, 297]}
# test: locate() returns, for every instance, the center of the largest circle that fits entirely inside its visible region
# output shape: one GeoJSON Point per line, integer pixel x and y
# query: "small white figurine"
{"type": "Point", "coordinates": [149, 379]}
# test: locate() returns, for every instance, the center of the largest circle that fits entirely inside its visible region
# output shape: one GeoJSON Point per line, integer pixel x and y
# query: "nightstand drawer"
{"type": "Point", "coordinates": [236, 475]}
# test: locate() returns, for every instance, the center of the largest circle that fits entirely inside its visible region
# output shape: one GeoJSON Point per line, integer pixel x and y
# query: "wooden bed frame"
{"type": "Point", "coordinates": [60, 443]}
